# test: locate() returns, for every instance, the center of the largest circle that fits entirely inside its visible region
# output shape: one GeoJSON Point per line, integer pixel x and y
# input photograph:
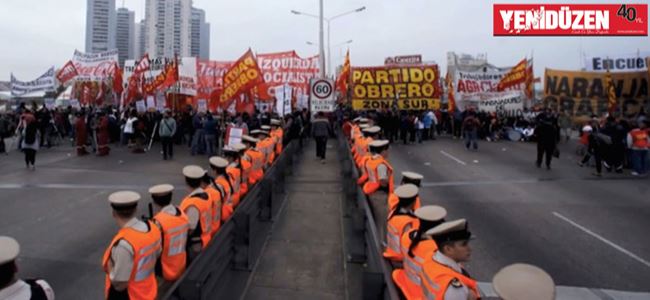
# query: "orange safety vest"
{"type": "Point", "coordinates": [393, 200]}
{"type": "Point", "coordinates": [409, 279]}
{"type": "Point", "coordinates": [142, 281]}
{"type": "Point", "coordinates": [639, 138]}
{"type": "Point", "coordinates": [373, 184]}
{"type": "Point", "coordinates": [246, 167]}
{"type": "Point", "coordinates": [279, 133]}
{"type": "Point", "coordinates": [364, 175]}
{"type": "Point", "coordinates": [234, 174]}
{"type": "Point", "coordinates": [215, 199]}
{"type": "Point", "coordinates": [205, 216]}
{"type": "Point", "coordinates": [363, 149]}
{"type": "Point", "coordinates": [257, 160]}
{"type": "Point", "coordinates": [437, 277]}
{"type": "Point", "coordinates": [174, 233]}
{"type": "Point", "coordinates": [395, 227]}
{"type": "Point", "coordinates": [227, 208]}
{"type": "Point", "coordinates": [269, 150]}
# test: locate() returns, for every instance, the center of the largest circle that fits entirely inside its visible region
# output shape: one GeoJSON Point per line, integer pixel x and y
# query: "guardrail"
{"type": "Point", "coordinates": [222, 269]}
{"type": "Point", "coordinates": [362, 238]}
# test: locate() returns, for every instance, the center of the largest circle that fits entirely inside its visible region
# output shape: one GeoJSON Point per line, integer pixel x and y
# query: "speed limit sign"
{"type": "Point", "coordinates": [322, 89]}
{"type": "Point", "coordinates": [322, 95]}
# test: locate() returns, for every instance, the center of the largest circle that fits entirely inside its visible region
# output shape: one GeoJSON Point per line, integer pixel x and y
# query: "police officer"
{"type": "Point", "coordinates": [255, 157]}
{"type": "Point", "coordinates": [246, 166]}
{"type": "Point", "coordinates": [443, 275]}
{"type": "Point", "coordinates": [380, 182]}
{"type": "Point", "coordinates": [234, 173]}
{"type": "Point", "coordinates": [400, 220]}
{"type": "Point", "coordinates": [174, 227]}
{"type": "Point", "coordinates": [416, 248]}
{"type": "Point", "coordinates": [10, 286]}
{"type": "Point", "coordinates": [198, 208]}
{"type": "Point", "coordinates": [407, 177]}
{"type": "Point", "coordinates": [130, 259]}
{"type": "Point", "coordinates": [215, 196]}
{"type": "Point", "coordinates": [224, 185]}
{"type": "Point", "coordinates": [523, 281]}
{"type": "Point", "coordinates": [278, 133]}
{"type": "Point", "coordinates": [370, 134]}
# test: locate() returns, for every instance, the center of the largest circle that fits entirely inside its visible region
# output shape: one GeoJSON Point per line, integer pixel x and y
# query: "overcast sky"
{"type": "Point", "coordinates": [36, 34]}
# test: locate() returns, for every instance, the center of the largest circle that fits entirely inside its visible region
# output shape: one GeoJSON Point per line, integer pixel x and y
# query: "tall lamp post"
{"type": "Point", "coordinates": [321, 47]}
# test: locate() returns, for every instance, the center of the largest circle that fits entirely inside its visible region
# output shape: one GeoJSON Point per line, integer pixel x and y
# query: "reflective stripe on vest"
{"type": "Point", "coordinates": [205, 216]}
{"type": "Point", "coordinates": [436, 287]}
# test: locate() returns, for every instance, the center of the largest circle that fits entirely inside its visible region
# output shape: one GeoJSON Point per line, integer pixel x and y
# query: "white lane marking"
{"type": "Point", "coordinates": [453, 158]}
{"type": "Point", "coordinates": [604, 240]}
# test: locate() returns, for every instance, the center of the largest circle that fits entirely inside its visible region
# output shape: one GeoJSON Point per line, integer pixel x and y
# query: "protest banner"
{"type": "Point", "coordinates": [94, 66]}
{"type": "Point", "coordinates": [187, 82]}
{"type": "Point", "coordinates": [151, 102]}
{"type": "Point", "coordinates": [49, 103]}
{"type": "Point", "coordinates": [43, 83]}
{"type": "Point", "coordinates": [409, 87]}
{"type": "Point", "coordinates": [617, 62]}
{"type": "Point", "coordinates": [140, 106]}
{"type": "Point", "coordinates": [202, 105]}
{"type": "Point", "coordinates": [288, 68]}
{"type": "Point", "coordinates": [242, 76]}
{"type": "Point", "coordinates": [503, 103]}
{"type": "Point", "coordinates": [581, 94]}
{"type": "Point", "coordinates": [67, 72]}
{"type": "Point", "coordinates": [210, 76]}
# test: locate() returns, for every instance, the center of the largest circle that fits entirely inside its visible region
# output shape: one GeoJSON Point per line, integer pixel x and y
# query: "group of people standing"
{"type": "Point", "coordinates": [426, 250]}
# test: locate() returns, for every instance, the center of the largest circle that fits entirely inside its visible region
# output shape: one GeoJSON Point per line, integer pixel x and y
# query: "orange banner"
{"type": "Point", "coordinates": [242, 76]}
{"type": "Point", "coordinates": [516, 76]}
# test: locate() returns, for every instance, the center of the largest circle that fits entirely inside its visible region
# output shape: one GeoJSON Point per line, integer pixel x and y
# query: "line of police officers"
{"type": "Point", "coordinates": [168, 242]}
{"type": "Point", "coordinates": [427, 250]}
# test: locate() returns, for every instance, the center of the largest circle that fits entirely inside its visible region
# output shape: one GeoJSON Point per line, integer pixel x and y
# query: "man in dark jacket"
{"type": "Point", "coordinates": [614, 152]}
{"type": "Point", "coordinates": [547, 136]}
{"type": "Point", "coordinates": [320, 130]}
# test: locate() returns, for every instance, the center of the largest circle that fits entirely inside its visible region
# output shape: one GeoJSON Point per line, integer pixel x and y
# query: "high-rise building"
{"type": "Point", "coordinates": [200, 37]}
{"type": "Point", "coordinates": [139, 40]}
{"type": "Point", "coordinates": [125, 34]}
{"type": "Point", "coordinates": [100, 25]}
{"type": "Point", "coordinates": [167, 27]}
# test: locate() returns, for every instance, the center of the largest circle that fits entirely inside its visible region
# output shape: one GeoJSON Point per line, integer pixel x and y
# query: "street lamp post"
{"type": "Point", "coordinates": [321, 18]}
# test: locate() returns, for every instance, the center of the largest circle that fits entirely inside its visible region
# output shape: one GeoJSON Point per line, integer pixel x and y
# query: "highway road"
{"type": "Point", "coordinates": [585, 231]}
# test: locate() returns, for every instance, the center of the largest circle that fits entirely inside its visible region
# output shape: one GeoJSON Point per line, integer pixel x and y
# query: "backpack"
{"type": "Point", "coordinates": [30, 133]}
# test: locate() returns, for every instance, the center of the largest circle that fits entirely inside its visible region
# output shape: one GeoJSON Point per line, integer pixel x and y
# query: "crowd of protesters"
{"type": "Point", "coordinates": [96, 129]}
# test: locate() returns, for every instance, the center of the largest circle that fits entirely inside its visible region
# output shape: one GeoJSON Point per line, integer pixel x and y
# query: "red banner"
{"type": "Point", "coordinates": [516, 76]}
{"type": "Point", "coordinates": [570, 19]}
{"type": "Point", "coordinates": [67, 72]}
{"type": "Point", "coordinates": [165, 79]}
{"type": "Point", "coordinates": [242, 76]}
{"type": "Point", "coordinates": [210, 74]}
{"type": "Point", "coordinates": [344, 76]}
{"type": "Point", "coordinates": [287, 67]}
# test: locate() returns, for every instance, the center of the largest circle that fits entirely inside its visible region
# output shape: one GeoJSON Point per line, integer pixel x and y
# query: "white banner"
{"type": "Point", "coordinates": [49, 103]}
{"type": "Point", "coordinates": [472, 86]}
{"type": "Point", "coordinates": [151, 102]}
{"type": "Point", "coordinates": [187, 80]}
{"type": "Point", "coordinates": [140, 106]}
{"type": "Point", "coordinates": [303, 102]}
{"type": "Point", "coordinates": [44, 82]}
{"type": "Point", "coordinates": [509, 103]}
{"type": "Point", "coordinates": [94, 66]}
{"type": "Point", "coordinates": [617, 63]}
{"type": "Point", "coordinates": [234, 135]}
{"type": "Point", "coordinates": [202, 105]}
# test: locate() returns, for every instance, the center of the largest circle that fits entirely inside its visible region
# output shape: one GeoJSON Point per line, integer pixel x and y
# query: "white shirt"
{"type": "Point", "coordinates": [128, 127]}
{"type": "Point", "coordinates": [20, 290]}
{"type": "Point", "coordinates": [452, 293]}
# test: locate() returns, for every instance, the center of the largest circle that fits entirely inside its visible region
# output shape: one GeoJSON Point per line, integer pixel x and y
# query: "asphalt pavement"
{"type": "Point", "coordinates": [585, 231]}
{"type": "Point", "coordinates": [60, 215]}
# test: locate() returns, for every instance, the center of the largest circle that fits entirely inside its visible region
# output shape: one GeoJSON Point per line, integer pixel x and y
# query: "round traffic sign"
{"type": "Point", "coordinates": [322, 89]}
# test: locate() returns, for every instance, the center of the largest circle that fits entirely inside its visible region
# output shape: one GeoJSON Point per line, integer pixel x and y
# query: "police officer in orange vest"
{"type": "Point", "coordinates": [262, 146]}
{"type": "Point", "coordinates": [278, 133]}
{"type": "Point", "coordinates": [174, 227]}
{"type": "Point", "coordinates": [443, 275]}
{"type": "Point", "coordinates": [400, 220]}
{"type": "Point", "coordinates": [370, 134]}
{"type": "Point", "coordinates": [407, 177]}
{"type": "Point", "coordinates": [255, 157]}
{"type": "Point", "coordinates": [234, 173]}
{"type": "Point", "coordinates": [13, 288]}
{"type": "Point", "coordinates": [269, 143]}
{"type": "Point", "coordinates": [224, 184]}
{"type": "Point", "coordinates": [198, 208]}
{"type": "Point", "coordinates": [215, 195]}
{"type": "Point", "coordinates": [523, 281]}
{"type": "Point", "coordinates": [130, 259]}
{"type": "Point", "coordinates": [417, 247]}
{"type": "Point", "coordinates": [245, 167]}
{"type": "Point", "coordinates": [380, 183]}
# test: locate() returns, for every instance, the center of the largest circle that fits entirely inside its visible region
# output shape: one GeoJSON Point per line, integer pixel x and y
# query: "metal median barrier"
{"type": "Point", "coordinates": [222, 269]}
{"type": "Point", "coordinates": [362, 241]}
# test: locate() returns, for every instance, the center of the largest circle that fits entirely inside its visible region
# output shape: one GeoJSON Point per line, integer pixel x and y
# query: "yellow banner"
{"type": "Point", "coordinates": [405, 104]}
{"type": "Point", "coordinates": [416, 87]}
{"type": "Point", "coordinates": [581, 94]}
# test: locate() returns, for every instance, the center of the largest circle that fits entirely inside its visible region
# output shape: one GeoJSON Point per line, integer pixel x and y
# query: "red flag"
{"type": "Point", "coordinates": [517, 75]}
{"type": "Point", "coordinates": [143, 64]}
{"type": "Point", "coordinates": [165, 79]}
{"type": "Point", "coordinates": [67, 72]}
{"type": "Point", "coordinates": [117, 80]}
{"type": "Point", "coordinates": [530, 80]}
{"type": "Point", "coordinates": [451, 101]}
{"type": "Point", "coordinates": [242, 76]}
{"type": "Point", "coordinates": [344, 76]}
{"type": "Point", "coordinates": [611, 93]}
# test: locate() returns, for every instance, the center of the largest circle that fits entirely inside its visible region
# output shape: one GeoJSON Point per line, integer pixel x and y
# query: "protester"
{"type": "Point", "coordinates": [638, 140]}
{"type": "Point", "coordinates": [30, 143]}
{"type": "Point", "coordinates": [470, 130]}
{"type": "Point", "coordinates": [166, 131]}
{"type": "Point", "coordinates": [321, 130]}
{"type": "Point", "coordinates": [546, 133]}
